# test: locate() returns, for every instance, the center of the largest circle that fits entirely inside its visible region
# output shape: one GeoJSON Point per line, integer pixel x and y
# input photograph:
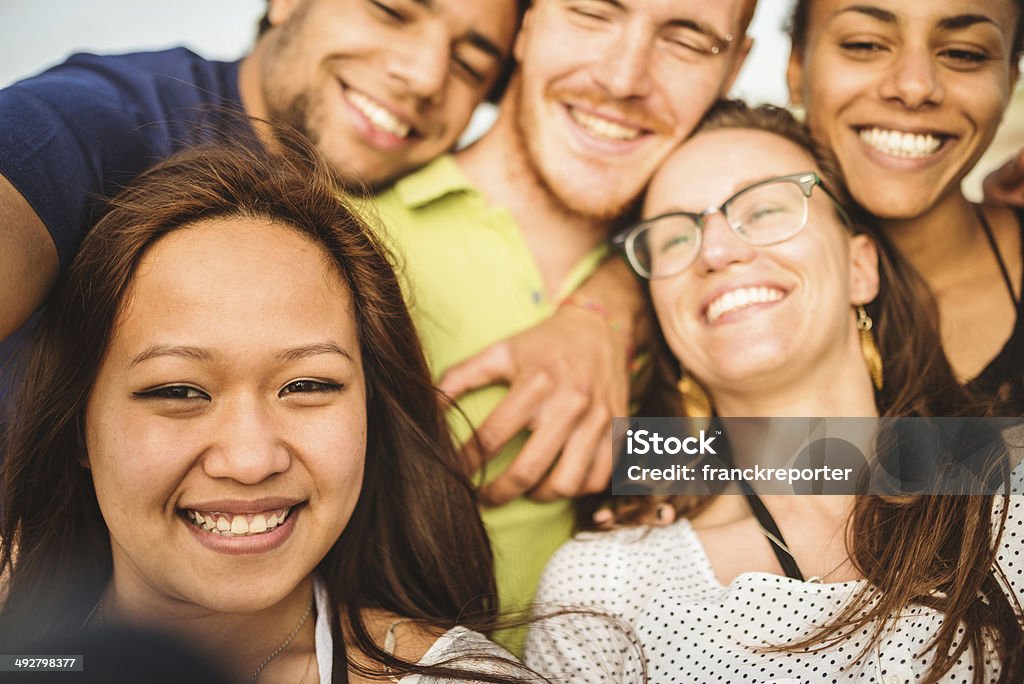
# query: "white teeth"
{"type": "Point", "coordinates": [900, 144]}
{"type": "Point", "coordinates": [237, 525]}
{"type": "Point", "coordinates": [379, 116]}
{"type": "Point", "coordinates": [603, 128]}
{"type": "Point", "coordinates": [740, 298]}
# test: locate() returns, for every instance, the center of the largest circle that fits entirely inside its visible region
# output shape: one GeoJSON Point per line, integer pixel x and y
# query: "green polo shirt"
{"type": "Point", "coordinates": [470, 281]}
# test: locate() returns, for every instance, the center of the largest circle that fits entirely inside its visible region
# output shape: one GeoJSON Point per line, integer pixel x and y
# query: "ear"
{"type": "Point", "coordinates": [520, 44]}
{"type": "Point", "coordinates": [279, 11]}
{"type": "Point", "coordinates": [742, 50]}
{"type": "Point", "coordinates": [795, 77]}
{"type": "Point", "coordinates": [863, 270]}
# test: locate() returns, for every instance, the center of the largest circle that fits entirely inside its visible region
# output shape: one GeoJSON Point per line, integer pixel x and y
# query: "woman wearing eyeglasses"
{"type": "Point", "coordinates": [907, 95]}
{"type": "Point", "coordinates": [767, 299]}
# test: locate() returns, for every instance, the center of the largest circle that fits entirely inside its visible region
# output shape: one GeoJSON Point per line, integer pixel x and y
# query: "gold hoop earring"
{"type": "Point", "coordinates": [696, 403]}
{"type": "Point", "coordinates": [869, 348]}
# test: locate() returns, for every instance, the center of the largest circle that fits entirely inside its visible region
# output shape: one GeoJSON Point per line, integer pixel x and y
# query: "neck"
{"type": "Point", "coordinates": [499, 166]}
{"type": "Point", "coordinates": [250, 82]}
{"type": "Point", "coordinates": [237, 642]}
{"type": "Point", "coordinates": [930, 240]}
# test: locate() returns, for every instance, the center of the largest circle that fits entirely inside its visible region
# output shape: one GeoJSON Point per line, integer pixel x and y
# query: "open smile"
{"type": "Point", "coordinates": [731, 301]}
{"type": "Point", "coordinates": [242, 531]}
{"type": "Point", "coordinates": [382, 125]}
{"type": "Point", "coordinates": [903, 144]}
{"type": "Point", "coordinates": [604, 133]}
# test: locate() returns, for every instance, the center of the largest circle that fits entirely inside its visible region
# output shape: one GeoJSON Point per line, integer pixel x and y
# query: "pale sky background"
{"type": "Point", "coordinates": [35, 34]}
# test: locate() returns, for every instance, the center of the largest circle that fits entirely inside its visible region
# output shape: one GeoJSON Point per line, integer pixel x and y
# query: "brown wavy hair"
{"type": "Point", "coordinates": [415, 545]}
{"type": "Point", "coordinates": [936, 551]}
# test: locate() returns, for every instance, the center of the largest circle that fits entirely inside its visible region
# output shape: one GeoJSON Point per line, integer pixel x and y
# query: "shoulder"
{"type": "Point", "coordinates": [149, 84]}
{"type": "Point", "coordinates": [612, 571]}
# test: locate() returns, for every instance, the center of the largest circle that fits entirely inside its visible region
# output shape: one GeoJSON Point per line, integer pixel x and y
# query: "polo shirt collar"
{"type": "Point", "coordinates": [434, 181]}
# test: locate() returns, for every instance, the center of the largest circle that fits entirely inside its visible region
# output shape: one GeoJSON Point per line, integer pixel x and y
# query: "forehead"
{"type": "Point", "coordinates": [723, 16]}
{"type": "Point", "coordinates": [709, 167]}
{"type": "Point", "coordinates": [907, 14]}
{"type": "Point", "coordinates": [236, 282]}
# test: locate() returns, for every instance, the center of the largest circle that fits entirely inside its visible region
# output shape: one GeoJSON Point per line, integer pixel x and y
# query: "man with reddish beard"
{"type": "Point", "coordinates": [498, 236]}
{"type": "Point", "coordinates": [381, 86]}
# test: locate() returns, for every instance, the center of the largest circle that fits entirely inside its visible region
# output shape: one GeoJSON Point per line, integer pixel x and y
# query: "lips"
{"type": "Point", "coordinates": [605, 128]}
{"type": "Point", "coordinates": [903, 144]}
{"type": "Point", "coordinates": [741, 298]}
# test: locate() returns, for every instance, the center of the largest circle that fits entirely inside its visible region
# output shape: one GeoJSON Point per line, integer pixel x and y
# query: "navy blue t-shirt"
{"type": "Point", "coordinates": [79, 132]}
{"type": "Point", "coordinates": [82, 130]}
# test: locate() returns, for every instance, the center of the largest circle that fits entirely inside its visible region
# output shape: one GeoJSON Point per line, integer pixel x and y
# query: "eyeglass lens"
{"type": "Point", "coordinates": [762, 215]}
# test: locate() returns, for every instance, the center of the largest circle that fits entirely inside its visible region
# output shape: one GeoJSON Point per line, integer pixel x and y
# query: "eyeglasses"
{"type": "Point", "coordinates": [765, 213]}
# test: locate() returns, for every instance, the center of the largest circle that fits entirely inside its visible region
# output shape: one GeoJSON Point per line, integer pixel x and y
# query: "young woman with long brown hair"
{"type": "Point", "coordinates": [907, 588]}
{"type": "Point", "coordinates": [227, 430]}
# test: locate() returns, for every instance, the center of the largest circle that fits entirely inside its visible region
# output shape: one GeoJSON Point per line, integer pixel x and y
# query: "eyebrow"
{"type": "Point", "coordinates": [871, 11]}
{"type": "Point", "coordinates": [180, 351]}
{"type": "Point", "coordinates": [308, 350]}
{"type": "Point", "coordinates": [962, 21]}
{"type": "Point", "coordinates": [953, 23]}
{"type": "Point", "coordinates": [204, 355]}
{"type": "Point", "coordinates": [690, 24]}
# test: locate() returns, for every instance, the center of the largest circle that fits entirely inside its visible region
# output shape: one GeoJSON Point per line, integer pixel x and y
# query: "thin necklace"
{"type": "Point", "coordinates": [815, 579]}
{"type": "Point", "coordinates": [101, 619]}
{"type": "Point", "coordinates": [284, 644]}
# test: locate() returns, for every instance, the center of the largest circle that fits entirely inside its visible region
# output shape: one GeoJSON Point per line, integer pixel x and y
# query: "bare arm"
{"type": "Point", "coordinates": [28, 259]}
{"type": "Point", "coordinates": [568, 377]}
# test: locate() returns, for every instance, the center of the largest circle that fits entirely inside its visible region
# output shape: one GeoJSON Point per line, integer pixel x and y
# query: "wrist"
{"type": "Point", "coordinates": [623, 329]}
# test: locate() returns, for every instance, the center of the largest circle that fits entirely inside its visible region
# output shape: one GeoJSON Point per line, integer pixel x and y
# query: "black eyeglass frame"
{"type": "Point", "coordinates": [806, 181]}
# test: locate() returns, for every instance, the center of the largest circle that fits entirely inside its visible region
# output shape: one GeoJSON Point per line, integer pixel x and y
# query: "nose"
{"type": "Point", "coordinates": [721, 247]}
{"type": "Point", "coordinates": [913, 79]}
{"type": "Point", "coordinates": [246, 445]}
{"type": "Point", "coordinates": [624, 68]}
{"type": "Point", "coordinates": [420, 65]}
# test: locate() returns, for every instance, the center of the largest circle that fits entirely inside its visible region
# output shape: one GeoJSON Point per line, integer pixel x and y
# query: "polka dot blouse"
{"type": "Point", "coordinates": [660, 584]}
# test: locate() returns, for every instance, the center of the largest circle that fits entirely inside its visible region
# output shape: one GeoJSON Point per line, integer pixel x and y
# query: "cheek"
{"type": "Point", "coordinates": [667, 297]}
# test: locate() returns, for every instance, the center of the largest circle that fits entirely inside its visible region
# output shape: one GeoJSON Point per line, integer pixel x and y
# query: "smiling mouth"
{"type": "Point", "coordinates": [903, 144]}
{"type": "Point", "coordinates": [600, 127]}
{"type": "Point", "coordinates": [237, 524]}
{"type": "Point", "coordinates": [741, 298]}
{"type": "Point", "coordinates": [378, 116]}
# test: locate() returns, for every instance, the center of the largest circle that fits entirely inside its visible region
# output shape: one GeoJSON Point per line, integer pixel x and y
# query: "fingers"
{"type": "Point", "coordinates": [515, 412]}
{"type": "Point", "coordinates": [541, 450]}
{"type": "Point", "coordinates": [642, 510]}
{"type": "Point", "coordinates": [490, 366]}
{"type": "Point", "coordinates": [585, 464]}
{"type": "Point", "coordinates": [1005, 185]}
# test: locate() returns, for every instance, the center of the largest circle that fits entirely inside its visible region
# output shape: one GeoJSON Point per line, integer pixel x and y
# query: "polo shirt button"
{"type": "Point", "coordinates": [897, 678]}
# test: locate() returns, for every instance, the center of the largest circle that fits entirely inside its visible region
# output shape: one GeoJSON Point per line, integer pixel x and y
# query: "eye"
{"type": "Point", "coordinates": [306, 386]}
{"type": "Point", "coordinates": [594, 11]}
{"type": "Point", "coordinates": [691, 42]}
{"type": "Point", "coordinates": [862, 48]}
{"type": "Point", "coordinates": [965, 56]}
{"type": "Point", "coordinates": [176, 392]}
{"type": "Point", "coordinates": [466, 70]}
{"type": "Point", "coordinates": [388, 12]}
